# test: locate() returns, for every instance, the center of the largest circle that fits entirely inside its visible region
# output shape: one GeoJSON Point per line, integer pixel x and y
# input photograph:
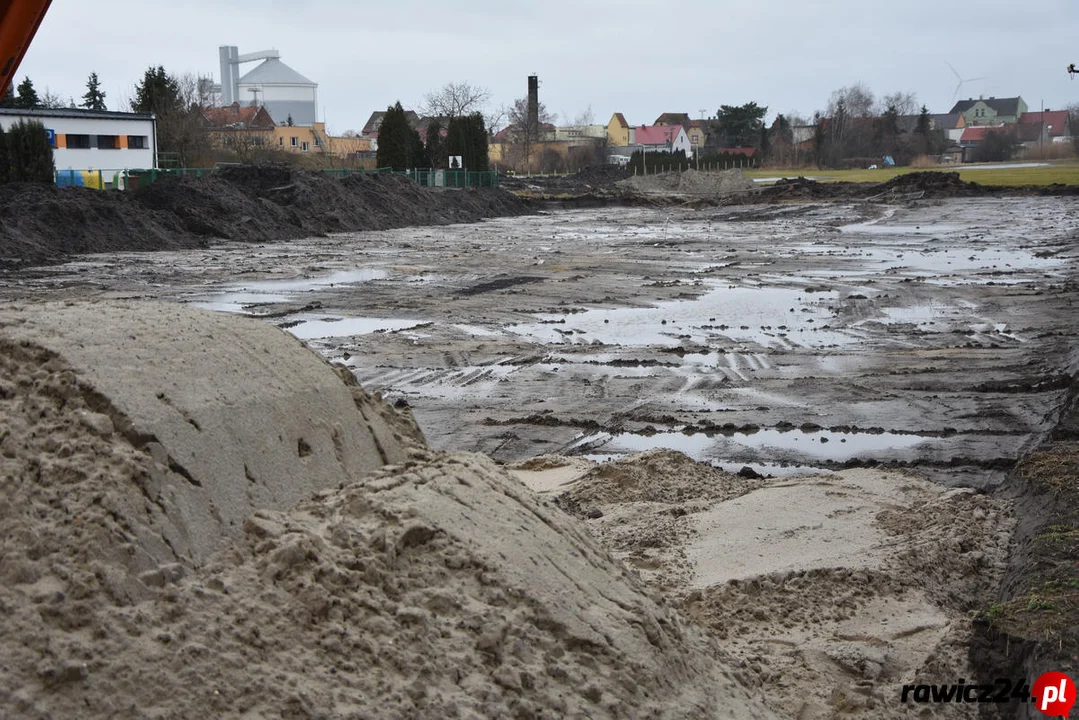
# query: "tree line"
{"type": "Point", "coordinates": [25, 96]}
{"type": "Point", "coordinates": [400, 147]}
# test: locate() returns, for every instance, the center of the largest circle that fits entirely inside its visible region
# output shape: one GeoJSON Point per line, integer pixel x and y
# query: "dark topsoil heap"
{"type": "Point", "coordinates": [249, 203]}
{"type": "Point", "coordinates": [931, 184]}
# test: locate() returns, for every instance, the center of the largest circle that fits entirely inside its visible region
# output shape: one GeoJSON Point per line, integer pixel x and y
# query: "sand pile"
{"type": "Point", "coordinates": [690, 182]}
{"type": "Point", "coordinates": [830, 592]}
{"type": "Point", "coordinates": [435, 586]}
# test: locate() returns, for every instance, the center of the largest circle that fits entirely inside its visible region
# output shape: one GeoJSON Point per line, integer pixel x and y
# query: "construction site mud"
{"type": "Point", "coordinates": [876, 351]}
{"type": "Point", "coordinates": [786, 338]}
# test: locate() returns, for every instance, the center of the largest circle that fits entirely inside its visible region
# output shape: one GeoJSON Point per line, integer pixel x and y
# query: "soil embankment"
{"type": "Point", "coordinates": [250, 203]}
{"type": "Point", "coordinates": [1033, 626]}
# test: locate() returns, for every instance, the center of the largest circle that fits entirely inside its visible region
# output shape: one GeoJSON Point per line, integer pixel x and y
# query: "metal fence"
{"type": "Point", "coordinates": [136, 178]}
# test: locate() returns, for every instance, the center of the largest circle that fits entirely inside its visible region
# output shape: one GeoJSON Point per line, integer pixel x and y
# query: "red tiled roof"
{"type": "Point", "coordinates": [224, 116]}
{"type": "Point", "coordinates": [975, 134]}
{"type": "Point", "coordinates": [621, 119]}
{"type": "Point", "coordinates": [656, 134]}
{"type": "Point", "coordinates": [1056, 121]}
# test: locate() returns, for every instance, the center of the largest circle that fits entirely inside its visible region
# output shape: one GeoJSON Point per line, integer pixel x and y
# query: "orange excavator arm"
{"type": "Point", "coordinates": [19, 21]}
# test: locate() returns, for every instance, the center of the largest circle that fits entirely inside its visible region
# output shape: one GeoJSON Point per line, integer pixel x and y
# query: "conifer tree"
{"type": "Point", "coordinates": [94, 99]}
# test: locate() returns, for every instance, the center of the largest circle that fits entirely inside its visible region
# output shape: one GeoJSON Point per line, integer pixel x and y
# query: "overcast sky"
{"type": "Point", "coordinates": [638, 57]}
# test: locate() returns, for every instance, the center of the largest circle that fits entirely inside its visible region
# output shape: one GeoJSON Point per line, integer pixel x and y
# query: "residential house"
{"type": "Point", "coordinates": [618, 130]}
{"type": "Point", "coordinates": [660, 138]}
{"type": "Point", "coordinates": [952, 124]}
{"type": "Point", "coordinates": [972, 137]}
{"type": "Point", "coordinates": [370, 130]}
{"type": "Point", "coordinates": [801, 134]}
{"type": "Point", "coordinates": [990, 111]}
{"type": "Point", "coordinates": [698, 131]}
{"type": "Point", "coordinates": [1047, 126]}
{"type": "Point", "coordinates": [314, 139]}
{"type": "Point", "coordinates": [668, 119]}
{"type": "Point", "coordinates": [235, 117]}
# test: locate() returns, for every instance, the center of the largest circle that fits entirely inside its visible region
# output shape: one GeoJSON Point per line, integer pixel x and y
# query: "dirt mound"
{"type": "Point", "coordinates": [934, 184]}
{"type": "Point", "coordinates": [691, 182]}
{"type": "Point", "coordinates": [833, 591]}
{"type": "Point", "coordinates": [662, 476]}
{"type": "Point", "coordinates": [255, 203]}
{"type": "Point", "coordinates": [440, 587]}
{"type": "Point", "coordinates": [602, 175]}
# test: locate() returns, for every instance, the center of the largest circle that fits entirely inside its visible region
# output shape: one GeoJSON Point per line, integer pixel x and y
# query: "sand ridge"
{"type": "Point", "coordinates": [435, 586]}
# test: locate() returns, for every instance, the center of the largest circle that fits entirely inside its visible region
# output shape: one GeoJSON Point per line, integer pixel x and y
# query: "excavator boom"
{"type": "Point", "coordinates": [19, 21]}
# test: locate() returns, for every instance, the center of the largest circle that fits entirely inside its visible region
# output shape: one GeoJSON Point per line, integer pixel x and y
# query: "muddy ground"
{"type": "Point", "coordinates": [929, 338]}
{"type": "Point", "coordinates": [785, 338]}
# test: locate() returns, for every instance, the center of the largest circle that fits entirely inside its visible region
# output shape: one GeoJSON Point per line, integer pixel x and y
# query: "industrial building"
{"type": "Point", "coordinates": [98, 140]}
{"type": "Point", "coordinates": [281, 90]}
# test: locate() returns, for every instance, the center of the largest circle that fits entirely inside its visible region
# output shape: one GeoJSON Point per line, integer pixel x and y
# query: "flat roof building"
{"type": "Point", "coordinates": [94, 139]}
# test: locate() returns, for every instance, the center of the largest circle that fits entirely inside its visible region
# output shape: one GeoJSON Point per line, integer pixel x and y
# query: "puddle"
{"type": "Point", "coordinates": [876, 227]}
{"type": "Point", "coordinates": [239, 302]}
{"type": "Point", "coordinates": [238, 297]}
{"type": "Point", "coordinates": [770, 443]}
{"type": "Point", "coordinates": [316, 282]}
{"type": "Point", "coordinates": [768, 316]}
{"type": "Point", "coordinates": [332, 327]}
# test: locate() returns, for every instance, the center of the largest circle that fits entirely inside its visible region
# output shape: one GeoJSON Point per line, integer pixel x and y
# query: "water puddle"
{"type": "Point", "coordinates": [767, 316]}
{"type": "Point", "coordinates": [239, 297]}
{"type": "Point", "coordinates": [767, 445]}
{"type": "Point", "coordinates": [334, 327]}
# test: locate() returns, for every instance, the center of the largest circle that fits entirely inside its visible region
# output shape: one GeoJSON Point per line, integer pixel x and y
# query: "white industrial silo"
{"type": "Point", "coordinates": [274, 84]}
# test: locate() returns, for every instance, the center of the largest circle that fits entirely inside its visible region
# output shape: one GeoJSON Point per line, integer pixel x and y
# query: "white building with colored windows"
{"type": "Point", "coordinates": [97, 140]}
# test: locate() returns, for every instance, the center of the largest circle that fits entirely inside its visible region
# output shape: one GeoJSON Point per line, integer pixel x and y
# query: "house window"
{"type": "Point", "coordinates": [107, 142]}
{"type": "Point", "coordinates": [318, 142]}
{"type": "Point", "coordinates": [136, 142]}
{"type": "Point", "coordinates": [294, 141]}
{"type": "Point", "coordinates": [304, 146]}
{"type": "Point", "coordinates": [281, 142]}
{"type": "Point", "coordinates": [78, 142]}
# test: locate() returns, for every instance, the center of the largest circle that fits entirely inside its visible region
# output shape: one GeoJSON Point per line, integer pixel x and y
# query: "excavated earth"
{"type": "Point", "coordinates": [857, 471]}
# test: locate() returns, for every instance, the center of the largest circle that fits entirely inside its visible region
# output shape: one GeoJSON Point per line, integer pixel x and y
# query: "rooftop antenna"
{"type": "Point", "coordinates": [962, 81]}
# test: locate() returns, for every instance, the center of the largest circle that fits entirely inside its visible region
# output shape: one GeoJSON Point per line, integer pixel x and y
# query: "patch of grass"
{"type": "Point", "coordinates": [1039, 615]}
{"type": "Point", "coordinates": [1064, 172]}
{"type": "Point", "coordinates": [1059, 534]}
{"type": "Point", "coordinates": [1055, 468]}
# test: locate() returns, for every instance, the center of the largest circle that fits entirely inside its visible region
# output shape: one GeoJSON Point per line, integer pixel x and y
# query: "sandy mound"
{"type": "Point", "coordinates": [233, 416]}
{"type": "Point", "coordinates": [436, 587]}
{"type": "Point", "coordinates": [644, 502]}
{"type": "Point", "coordinates": [690, 182]}
{"type": "Point", "coordinates": [832, 591]}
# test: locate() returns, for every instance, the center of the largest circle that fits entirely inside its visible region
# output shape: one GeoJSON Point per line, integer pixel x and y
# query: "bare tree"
{"type": "Point", "coordinates": [857, 101]}
{"type": "Point", "coordinates": [585, 117]}
{"type": "Point", "coordinates": [905, 103]}
{"type": "Point", "coordinates": [185, 126]}
{"type": "Point", "coordinates": [51, 101]}
{"type": "Point", "coordinates": [524, 132]}
{"type": "Point", "coordinates": [248, 145]}
{"type": "Point", "coordinates": [455, 100]}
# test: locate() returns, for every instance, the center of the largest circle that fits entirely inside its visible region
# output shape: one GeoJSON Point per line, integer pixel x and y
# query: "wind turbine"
{"type": "Point", "coordinates": [961, 80]}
